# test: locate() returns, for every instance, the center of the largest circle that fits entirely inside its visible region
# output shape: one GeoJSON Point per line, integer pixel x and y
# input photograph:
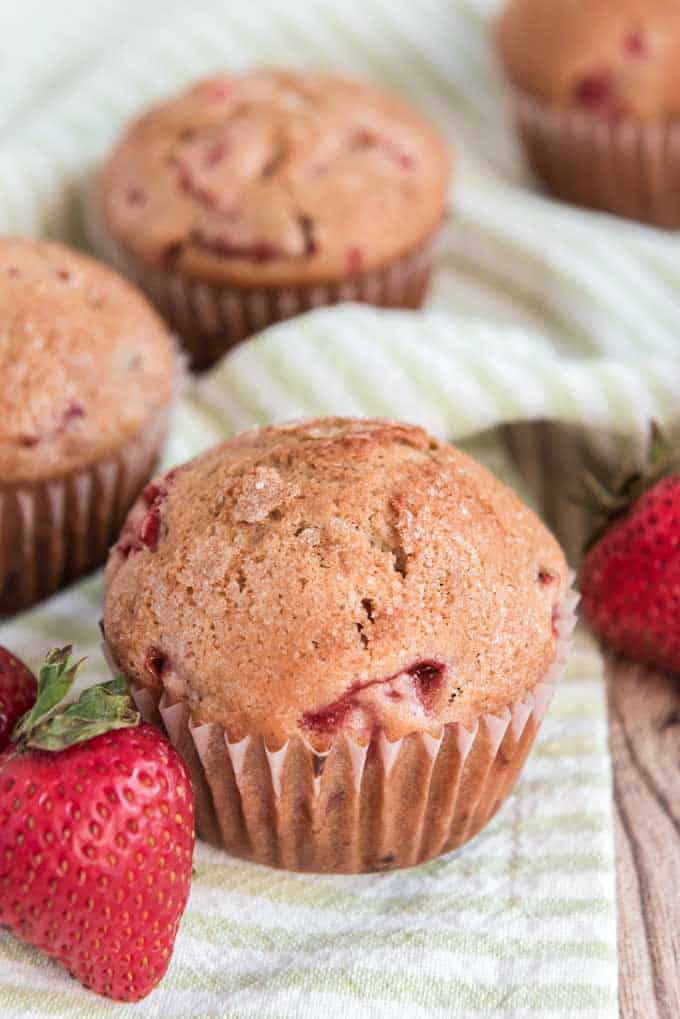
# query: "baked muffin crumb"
{"type": "Point", "coordinates": [273, 178]}
{"type": "Point", "coordinates": [338, 574]}
{"type": "Point", "coordinates": [613, 58]}
{"type": "Point", "coordinates": [85, 360]}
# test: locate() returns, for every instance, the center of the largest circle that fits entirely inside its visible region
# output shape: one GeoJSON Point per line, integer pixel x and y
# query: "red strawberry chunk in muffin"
{"type": "Point", "coordinates": [214, 166]}
{"type": "Point", "coordinates": [355, 259]}
{"type": "Point", "coordinates": [55, 429]}
{"type": "Point", "coordinates": [427, 677]}
{"type": "Point", "coordinates": [155, 662]}
{"type": "Point", "coordinates": [596, 93]}
{"type": "Point", "coordinates": [554, 617]}
{"type": "Point", "coordinates": [135, 196]}
{"type": "Point", "coordinates": [360, 708]}
{"type": "Point", "coordinates": [634, 44]}
{"type": "Point", "coordinates": [215, 154]}
{"type": "Point", "coordinates": [365, 140]}
{"type": "Point", "coordinates": [223, 247]}
{"type": "Point", "coordinates": [151, 526]}
{"type": "Point", "coordinates": [151, 493]}
{"type": "Point", "coordinates": [71, 413]}
{"type": "Point", "coordinates": [142, 528]}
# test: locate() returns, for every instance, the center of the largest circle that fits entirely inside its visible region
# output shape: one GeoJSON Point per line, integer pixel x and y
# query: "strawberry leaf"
{"type": "Point", "coordinates": [55, 680]}
{"type": "Point", "coordinates": [99, 709]}
{"type": "Point", "coordinates": [56, 721]}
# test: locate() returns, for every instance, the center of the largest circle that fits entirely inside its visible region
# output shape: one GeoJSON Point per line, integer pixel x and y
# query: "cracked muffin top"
{"type": "Point", "coordinates": [611, 57]}
{"type": "Point", "coordinates": [85, 361]}
{"type": "Point", "coordinates": [274, 177]}
{"type": "Point", "coordinates": [336, 575]}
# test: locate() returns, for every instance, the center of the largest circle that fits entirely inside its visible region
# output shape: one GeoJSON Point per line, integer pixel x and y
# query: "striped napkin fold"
{"type": "Point", "coordinates": [549, 343]}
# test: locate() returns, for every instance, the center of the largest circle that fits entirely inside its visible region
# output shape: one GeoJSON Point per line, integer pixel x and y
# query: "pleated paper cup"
{"type": "Point", "coordinates": [357, 807]}
{"type": "Point", "coordinates": [54, 531]}
{"type": "Point", "coordinates": [624, 166]}
{"type": "Point", "coordinates": [211, 318]}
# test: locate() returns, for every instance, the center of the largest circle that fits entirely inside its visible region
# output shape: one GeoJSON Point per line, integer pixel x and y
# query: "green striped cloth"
{"type": "Point", "coordinates": [542, 319]}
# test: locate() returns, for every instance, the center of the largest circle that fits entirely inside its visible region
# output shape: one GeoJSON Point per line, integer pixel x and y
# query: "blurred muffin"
{"type": "Point", "coordinates": [351, 631]}
{"type": "Point", "coordinates": [88, 373]}
{"type": "Point", "coordinates": [597, 99]}
{"type": "Point", "coordinates": [246, 200]}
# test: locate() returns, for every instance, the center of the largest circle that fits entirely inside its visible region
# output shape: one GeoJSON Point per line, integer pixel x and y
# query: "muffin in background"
{"type": "Point", "coordinates": [248, 199]}
{"type": "Point", "coordinates": [88, 375]}
{"type": "Point", "coordinates": [350, 630]}
{"type": "Point", "coordinates": [596, 93]}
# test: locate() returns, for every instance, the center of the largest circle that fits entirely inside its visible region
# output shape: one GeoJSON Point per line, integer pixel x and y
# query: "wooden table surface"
{"type": "Point", "coordinates": [644, 725]}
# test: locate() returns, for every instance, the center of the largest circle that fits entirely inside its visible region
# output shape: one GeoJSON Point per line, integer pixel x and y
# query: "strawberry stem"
{"type": "Point", "coordinates": [57, 721]}
{"type": "Point", "coordinates": [608, 504]}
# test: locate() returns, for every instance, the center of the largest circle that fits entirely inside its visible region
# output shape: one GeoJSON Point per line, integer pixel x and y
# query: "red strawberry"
{"type": "Point", "coordinates": [96, 835]}
{"type": "Point", "coordinates": [630, 579]}
{"type": "Point", "coordinates": [17, 693]}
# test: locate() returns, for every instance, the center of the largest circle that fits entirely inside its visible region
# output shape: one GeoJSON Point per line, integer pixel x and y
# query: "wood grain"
{"type": "Point", "coordinates": [644, 717]}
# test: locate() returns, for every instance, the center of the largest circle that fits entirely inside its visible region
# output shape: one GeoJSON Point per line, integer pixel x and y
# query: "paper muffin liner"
{"type": "Point", "coordinates": [53, 531]}
{"type": "Point", "coordinates": [623, 166]}
{"type": "Point", "coordinates": [357, 807]}
{"type": "Point", "coordinates": [212, 317]}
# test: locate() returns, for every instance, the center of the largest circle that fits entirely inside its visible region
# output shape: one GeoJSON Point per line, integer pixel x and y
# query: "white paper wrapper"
{"type": "Point", "coordinates": [53, 531]}
{"type": "Point", "coordinates": [627, 167]}
{"type": "Point", "coordinates": [357, 807]}
{"type": "Point", "coordinates": [211, 318]}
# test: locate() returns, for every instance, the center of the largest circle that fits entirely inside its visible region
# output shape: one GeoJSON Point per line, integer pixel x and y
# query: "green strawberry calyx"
{"type": "Point", "coordinates": [609, 503]}
{"type": "Point", "coordinates": [58, 720]}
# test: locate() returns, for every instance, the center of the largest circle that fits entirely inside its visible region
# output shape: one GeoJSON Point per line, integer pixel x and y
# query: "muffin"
{"type": "Point", "coordinates": [350, 630]}
{"type": "Point", "coordinates": [88, 371]}
{"type": "Point", "coordinates": [597, 99]}
{"type": "Point", "coordinates": [246, 200]}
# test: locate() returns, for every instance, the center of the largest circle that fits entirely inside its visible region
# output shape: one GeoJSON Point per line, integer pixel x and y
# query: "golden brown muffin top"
{"type": "Point", "coordinates": [84, 360]}
{"type": "Point", "coordinates": [274, 177]}
{"type": "Point", "coordinates": [612, 57]}
{"type": "Point", "coordinates": [334, 575]}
